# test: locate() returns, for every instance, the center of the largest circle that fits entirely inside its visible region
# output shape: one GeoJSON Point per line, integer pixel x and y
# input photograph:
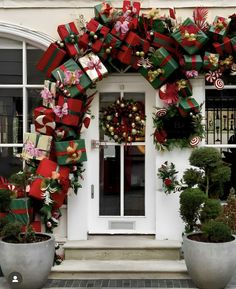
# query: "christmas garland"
{"type": "Point", "coordinates": [124, 121]}
{"type": "Point", "coordinates": [168, 174]}
{"type": "Point", "coordinates": [174, 130]}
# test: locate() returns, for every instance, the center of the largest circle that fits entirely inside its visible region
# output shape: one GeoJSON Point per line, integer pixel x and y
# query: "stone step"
{"type": "Point", "coordinates": [131, 269]}
{"type": "Point", "coordinates": [121, 248]}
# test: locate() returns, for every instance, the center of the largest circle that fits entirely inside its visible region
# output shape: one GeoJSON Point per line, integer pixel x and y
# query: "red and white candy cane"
{"type": "Point", "coordinates": [61, 86]}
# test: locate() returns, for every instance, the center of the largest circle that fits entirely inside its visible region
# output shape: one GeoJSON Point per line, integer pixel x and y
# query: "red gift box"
{"type": "Point", "coordinates": [225, 47]}
{"type": "Point", "coordinates": [133, 44]}
{"type": "Point", "coordinates": [94, 37]}
{"type": "Point", "coordinates": [121, 27]}
{"type": "Point", "coordinates": [69, 34]}
{"type": "Point", "coordinates": [161, 40]}
{"type": "Point", "coordinates": [44, 120]}
{"type": "Point", "coordinates": [132, 9]}
{"type": "Point", "coordinates": [51, 59]}
{"type": "Point", "coordinates": [68, 111]}
{"type": "Point", "coordinates": [45, 170]}
{"type": "Point", "coordinates": [110, 47]}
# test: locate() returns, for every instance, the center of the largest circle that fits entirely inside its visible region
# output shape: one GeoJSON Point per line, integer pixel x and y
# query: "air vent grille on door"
{"type": "Point", "coordinates": [121, 225]}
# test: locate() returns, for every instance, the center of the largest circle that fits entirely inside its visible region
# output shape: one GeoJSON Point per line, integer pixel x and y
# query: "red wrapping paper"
{"type": "Point", "coordinates": [225, 47]}
{"type": "Point", "coordinates": [161, 40]}
{"type": "Point", "coordinates": [51, 59]}
{"type": "Point", "coordinates": [75, 112]}
{"type": "Point", "coordinates": [45, 169]}
{"type": "Point", "coordinates": [134, 8]}
{"type": "Point", "coordinates": [65, 30]}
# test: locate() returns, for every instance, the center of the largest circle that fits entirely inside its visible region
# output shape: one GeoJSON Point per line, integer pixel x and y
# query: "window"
{"type": "Point", "coordinates": [221, 126]}
{"type": "Point", "coordinates": [20, 84]}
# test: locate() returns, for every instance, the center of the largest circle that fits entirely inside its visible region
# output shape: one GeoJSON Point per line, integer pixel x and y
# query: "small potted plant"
{"type": "Point", "coordinates": [209, 245]}
{"type": "Point", "coordinates": [26, 257]}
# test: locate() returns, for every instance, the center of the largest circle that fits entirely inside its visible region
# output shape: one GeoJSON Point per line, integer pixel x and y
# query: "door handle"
{"type": "Point", "coordinates": [95, 144]}
{"type": "Point", "coordinates": [92, 191]}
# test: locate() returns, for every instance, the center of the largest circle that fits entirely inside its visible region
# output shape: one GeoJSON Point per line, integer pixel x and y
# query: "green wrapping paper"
{"type": "Point", "coordinates": [188, 104]}
{"type": "Point", "coordinates": [184, 88]}
{"type": "Point", "coordinates": [219, 28]}
{"type": "Point", "coordinates": [104, 12]}
{"type": "Point", "coordinates": [110, 47]}
{"type": "Point", "coordinates": [192, 62]}
{"type": "Point", "coordinates": [211, 61]}
{"type": "Point", "coordinates": [18, 209]}
{"type": "Point", "coordinates": [193, 43]}
{"type": "Point", "coordinates": [70, 152]}
{"type": "Point", "coordinates": [73, 88]}
{"type": "Point", "coordinates": [163, 63]}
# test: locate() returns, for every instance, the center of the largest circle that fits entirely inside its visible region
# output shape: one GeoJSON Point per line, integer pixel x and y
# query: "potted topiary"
{"type": "Point", "coordinates": [25, 258]}
{"type": "Point", "coordinates": [209, 246]}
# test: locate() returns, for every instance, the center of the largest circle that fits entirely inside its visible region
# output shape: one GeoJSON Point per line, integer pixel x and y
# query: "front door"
{"type": "Point", "coordinates": [122, 176]}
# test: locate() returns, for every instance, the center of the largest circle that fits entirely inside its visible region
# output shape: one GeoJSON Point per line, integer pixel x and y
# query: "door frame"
{"type": "Point", "coordinates": [125, 224]}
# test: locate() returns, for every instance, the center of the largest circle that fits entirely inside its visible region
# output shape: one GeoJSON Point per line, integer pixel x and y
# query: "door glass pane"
{"type": "Point", "coordinates": [11, 116]}
{"type": "Point", "coordinates": [134, 180]}
{"type": "Point", "coordinates": [9, 162]}
{"type": "Point", "coordinates": [34, 100]}
{"type": "Point", "coordinates": [34, 76]}
{"type": "Point", "coordinates": [109, 201]}
{"type": "Point", "coordinates": [10, 66]}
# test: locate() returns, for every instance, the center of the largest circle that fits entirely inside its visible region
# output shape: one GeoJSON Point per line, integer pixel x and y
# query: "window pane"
{"type": "Point", "coordinates": [109, 201]}
{"type": "Point", "coordinates": [34, 76]}
{"type": "Point", "coordinates": [34, 100]}
{"type": "Point", "coordinates": [134, 177]}
{"type": "Point", "coordinates": [11, 116]}
{"type": "Point", "coordinates": [9, 163]}
{"type": "Point", "coordinates": [10, 66]}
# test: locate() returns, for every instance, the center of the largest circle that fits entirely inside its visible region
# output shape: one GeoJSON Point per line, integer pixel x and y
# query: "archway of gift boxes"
{"type": "Point", "coordinates": [168, 54]}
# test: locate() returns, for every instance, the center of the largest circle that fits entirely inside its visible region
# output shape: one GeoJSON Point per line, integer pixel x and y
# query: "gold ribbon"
{"type": "Point", "coordinates": [152, 75]}
{"type": "Point", "coordinates": [181, 84]}
{"type": "Point", "coordinates": [213, 59]}
{"type": "Point", "coordinates": [153, 14]}
{"type": "Point", "coordinates": [73, 154]}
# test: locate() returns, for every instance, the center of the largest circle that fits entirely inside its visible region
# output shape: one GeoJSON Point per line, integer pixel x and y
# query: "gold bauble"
{"type": "Point", "coordinates": [141, 54]}
{"type": "Point", "coordinates": [133, 131]}
{"type": "Point", "coordinates": [115, 136]}
{"type": "Point", "coordinates": [137, 118]}
{"type": "Point", "coordinates": [124, 134]}
{"type": "Point", "coordinates": [137, 53]}
{"type": "Point", "coordinates": [109, 117]}
{"type": "Point", "coordinates": [129, 138]}
{"type": "Point", "coordinates": [111, 128]}
{"type": "Point", "coordinates": [122, 105]}
{"type": "Point", "coordinates": [133, 124]}
{"type": "Point", "coordinates": [134, 108]}
{"type": "Point", "coordinates": [107, 125]}
{"type": "Point", "coordinates": [130, 115]}
{"type": "Point", "coordinates": [95, 36]}
{"type": "Point", "coordinates": [108, 51]}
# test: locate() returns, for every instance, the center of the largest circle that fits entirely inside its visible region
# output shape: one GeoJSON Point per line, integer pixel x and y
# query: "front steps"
{"type": "Point", "coordinates": [126, 257]}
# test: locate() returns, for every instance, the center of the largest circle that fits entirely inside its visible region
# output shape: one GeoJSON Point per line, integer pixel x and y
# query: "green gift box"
{"type": "Point", "coordinates": [19, 212]}
{"type": "Point", "coordinates": [163, 65]}
{"type": "Point", "coordinates": [104, 12]}
{"type": "Point", "coordinates": [110, 46]}
{"type": "Point", "coordinates": [190, 37]}
{"type": "Point", "coordinates": [72, 80]}
{"type": "Point", "coordinates": [192, 62]}
{"type": "Point", "coordinates": [211, 61]}
{"type": "Point", "coordinates": [187, 105]}
{"type": "Point", "coordinates": [219, 28]}
{"type": "Point", "coordinates": [184, 88]}
{"type": "Point", "coordinates": [158, 25]}
{"type": "Point", "coordinates": [70, 152]}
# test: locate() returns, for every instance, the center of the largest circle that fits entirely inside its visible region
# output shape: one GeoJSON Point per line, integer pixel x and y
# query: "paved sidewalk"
{"type": "Point", "coordinates": [110, 284]}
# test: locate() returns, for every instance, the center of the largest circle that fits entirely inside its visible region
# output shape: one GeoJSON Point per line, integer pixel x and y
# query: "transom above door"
{"type": "Point", "coordinates": [122, 176]}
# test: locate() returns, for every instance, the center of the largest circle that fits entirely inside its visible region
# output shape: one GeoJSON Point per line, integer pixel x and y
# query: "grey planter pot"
{"type": "Point", "coordinates": [32, 260]}
{"type": "Point", "coordinates": [210, 265]}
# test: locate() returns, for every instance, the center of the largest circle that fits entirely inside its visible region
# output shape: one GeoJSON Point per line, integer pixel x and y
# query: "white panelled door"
{"type": "Point", "coordinates": [121, 176]}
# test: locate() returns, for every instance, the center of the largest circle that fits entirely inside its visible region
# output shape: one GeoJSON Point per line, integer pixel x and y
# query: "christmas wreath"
{"type": "Point", "coordinates": [174, 130]}
{"type": "Point", "coordinates": [124, 121]}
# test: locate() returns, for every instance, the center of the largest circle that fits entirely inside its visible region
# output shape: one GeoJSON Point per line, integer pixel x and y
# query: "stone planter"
{"type": "Point", "coordinates": [32, 260]}
{"type": "Point", "coordinates": [210, 265]}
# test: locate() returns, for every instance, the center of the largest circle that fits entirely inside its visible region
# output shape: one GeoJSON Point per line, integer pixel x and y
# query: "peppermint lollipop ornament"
{"type": "Point", "coordinates": [219, 84]}
{"type": "Point", "coordinates": [45, 124]}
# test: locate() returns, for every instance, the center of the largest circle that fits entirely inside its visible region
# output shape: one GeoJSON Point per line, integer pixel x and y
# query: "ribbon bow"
{"type": "Point", "coordinates": [153, 14]}
{"type": "Point", "coordinates": [72, 77]}
{"type": "Point", "coordinates": [32, 150]}
{"type": "Point", "coordinates": [152, 75]}
{"type": "Point", "coordinates": [181, 84]}
{"type": "Point", "coordinates": [73, 153]}
{"type": "Point", "coordinates": [60, 111]}
{"type": "Point", "coordinates": [106, 9]}
{"type": "Point", "coordinates": [94, 63]}
{"type": "Point", "coordinates": [47, 95]}
{"type": "Point", "coordinates": [191, 73]}
{"type": "Point", "coordinates": [146, 63]}
{"type": "Point", "coordinates": [220, 23]}
{"type": "Point", "coordinates": [122, 27]}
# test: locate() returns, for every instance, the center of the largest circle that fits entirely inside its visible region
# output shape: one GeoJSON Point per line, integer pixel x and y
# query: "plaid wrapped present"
{"type": "Point", "coordinates": [51, 59]}
{"type": "Point", "coordinates": [104, 12]}
{"type": "Point", "coordinates": [71, 152]}
{"type": "Point", "coordinates": [64, 132]}
{"type": "Point", "coordinates": [19, 210]}
{"type": "Point", "coordinates": [93, 66]}
{"type": "Point", "coordinates": [132, 49]}
{"type": "Point", "coordinates": [94, 37]}
{"type": "Point", "coordinates": [48, 93]}
{"type": "Point", "coordinates": [187, 105]}
{"type": "Point", "coordinates": [162, 66]}
{"type": "Point", "coordinates": [223, 48]}
{"type": "Point", "coordinates": [219, 28]}
{"type": "Point", "coordinates": [68, 111]}
{"type": "Point", "coordinates": [69, 34]}
{"type": "Point", "coordinates": [184, 88]}
{"type": "Point", "coordinates": [161, 40]}
{"type": "Point", "coordinates": [192, 62]}
{"type": "Point", "coordinates": [190, 37]}
{"type": "Point", "coordinates": [48, 170]}
{"type": "Point", "coordinates": [110, 47]}
{"type": "Point", "coordinates": [131, 9]}
{"type": "Point", "coordinates": [211, 61]}
{"type": "Point", "coordinates": [71, 79]}
{"type": "Point", "coordinates": [36, 146]}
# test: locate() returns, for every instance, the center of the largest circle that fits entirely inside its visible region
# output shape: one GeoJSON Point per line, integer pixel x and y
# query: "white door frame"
{"type": "Point", "coordinates": [127, 224]}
